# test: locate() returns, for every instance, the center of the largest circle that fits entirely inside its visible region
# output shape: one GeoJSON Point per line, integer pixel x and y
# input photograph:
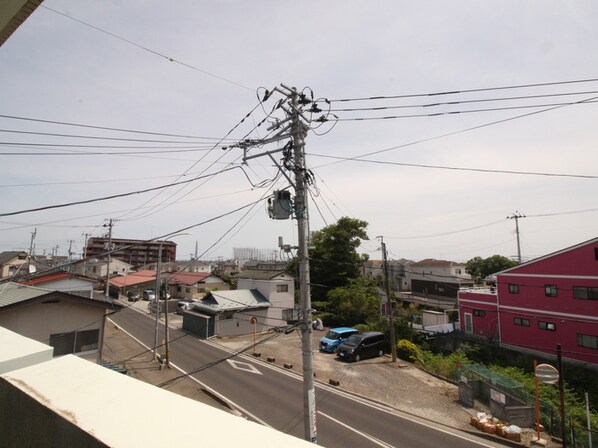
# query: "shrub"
{"type": "Point", "coordinates": [408, 351]}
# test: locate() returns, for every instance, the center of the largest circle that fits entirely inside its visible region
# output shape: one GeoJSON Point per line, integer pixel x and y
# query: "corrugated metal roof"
{"type": "Point", "coordinates": [219, 301]}
{"type": "Point", "coordinates": [11, 293]}
{"type": "Point", "coordinates": [187, 278]}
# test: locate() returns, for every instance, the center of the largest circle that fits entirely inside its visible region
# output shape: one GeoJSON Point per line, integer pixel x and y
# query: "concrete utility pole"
{"type": "Point", "coordinates": [516, 217]}
{"type": "Point", "coordinates": [389, 301]}
{"type": "Point", "coordinates": [309, 393]}
{"type": "Point", "coordinates": [86, 235]}
{"type": "Point", "coordinates": [295, 126]}
{"type": "Point", "coordinates": [108, 249]}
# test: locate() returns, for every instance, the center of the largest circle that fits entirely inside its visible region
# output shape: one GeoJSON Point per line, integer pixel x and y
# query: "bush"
{"type": "Point", "coordinates": [408, 351]}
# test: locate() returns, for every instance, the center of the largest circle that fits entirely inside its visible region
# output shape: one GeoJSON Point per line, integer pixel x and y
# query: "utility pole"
{"type": "Point", "coordinates": [516, 216]}
{"type": "Point", "coordinates": [85, 253]}
{"type": "Point", "coordinates": [31, 246]}
{"type": "Point", "coordinates": [309, 393]}
{"type": "Point", "coordinates": [295, 126]}
{"type": "Point", "coordinates": [70, 254]}
{"type": "Point", "coordinates": [108, 249]}
{"type": "Point", "coordinates": [389, 301]}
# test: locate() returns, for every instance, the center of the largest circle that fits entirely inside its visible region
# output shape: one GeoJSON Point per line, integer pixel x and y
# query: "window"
{"type": "Point", "coordinates": [585, 292]}
{"type": "Point", "coordinates": [479, 313]}
{"type": "Point", "coordinates": [227, 315]}
{"type": "Point", "coordinates": [520, 322]}
{"type": "Point", "coordinates": [550, 290]}
{"type": "Point", "coordinates": [187, 290]}
{"type": "Point", "coordinates": [457, 271]}
{"type": "Point", "coordinates": [282, 288]}
{"type": "Point", "coordinates": [587, 341]}
{"type": "Point", "coordinates": [513, 288]}
{"type": "Point", "coordinates": [596, 253]}
{"type": "Point", "coordinates": [75, 342]}
{"type": "Point", "coordinates": [547, 326]}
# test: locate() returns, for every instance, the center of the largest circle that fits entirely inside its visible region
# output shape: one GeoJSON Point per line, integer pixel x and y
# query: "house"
{"type": "Point", "coordinates": [439, 279]}
{"type": "Point", "coordinates": [68, 322]}
{"type": "Point", "coordinates": [278, 287]}
{"type": "Point", "coordinates": [228, 313]}
{"type": "Point", "coordinates": [399, 273]}
{"type": "Point", "coordinates": [62, 281]}
{"type": "Point", "coordinates": [193, 285]}
{"type": "Point", "coordinates": [12, 262]}
{"type": "Point", "coordinates": [263, 300]}
{"type": "Point", "coordinates": [97, 268]}
{"type": "Point", "coordinates": [549, 301]}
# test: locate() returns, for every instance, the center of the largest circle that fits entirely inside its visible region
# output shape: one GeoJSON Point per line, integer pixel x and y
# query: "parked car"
{"type": "Point", "coordinates": [183, 306]}
{"type": "Point", "coordinates": [335, 337]}
{"type": "Point", "coordinates": [133, 296]}
{"type": "Point", "coordinates": [149, 294]}
{"type": "Point", "coordinates": [362, 345]}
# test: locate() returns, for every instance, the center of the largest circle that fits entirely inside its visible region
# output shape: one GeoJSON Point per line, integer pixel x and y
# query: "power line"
{"type": "Point", "coordinates": [114, 196]}
{"type": "Point", "coordinates": [130, 42]}
{"type": "Point", "coordinates": [460, 102]}
{"type": "Point", "coordinates": [461, 112]}
{"type": "Point", "coordinates": [460, 131]}
{"type": "Point", "coordinates": [453, 92]}
{"type": "Point", "coordinates": [453, 168]}
{"type": "Point", "coordinates": [89, 126]}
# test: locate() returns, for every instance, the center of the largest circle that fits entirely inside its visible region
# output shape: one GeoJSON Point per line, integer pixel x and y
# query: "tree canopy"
{"type": "Point", "coordinates": [480, 268]}
{"type": "Point", "coordinates": [354, 304]}
{"type": "Point", "coordinates": [333, 256]}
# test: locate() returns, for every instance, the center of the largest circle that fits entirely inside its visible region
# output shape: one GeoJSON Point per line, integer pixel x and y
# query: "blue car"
{"type": "Point", "coordinates": [335, 337]}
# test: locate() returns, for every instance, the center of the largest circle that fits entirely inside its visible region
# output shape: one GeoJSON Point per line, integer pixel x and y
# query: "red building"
{"type": "Point", "coordinates": [540, 304]}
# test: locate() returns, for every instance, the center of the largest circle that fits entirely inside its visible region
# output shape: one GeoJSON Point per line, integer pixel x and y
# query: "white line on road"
{"type": "Point", "coordinates": [362, 434]}
{"type": "Point", "coordinates": [230, 403]}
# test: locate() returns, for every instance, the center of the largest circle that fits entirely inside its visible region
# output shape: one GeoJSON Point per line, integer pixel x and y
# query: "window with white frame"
{"type": "Point", "coordinates": [282, 288]}
{"type": "Point", "coordinates": [513, 288]}
{"type": "Point", "coordinates": [521, 322]}
{"type": "Point", "coordinates": [585, 292]}
{"type": "Point", "coordinates": [550, 290]}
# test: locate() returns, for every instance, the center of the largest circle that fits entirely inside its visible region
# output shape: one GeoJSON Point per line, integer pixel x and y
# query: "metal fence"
{"type": "Point", "coordinates": [550, 418]}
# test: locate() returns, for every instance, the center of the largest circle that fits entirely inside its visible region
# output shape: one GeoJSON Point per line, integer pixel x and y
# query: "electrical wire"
{"type": "Point", "coordinates": [483, 89]}
{"type": "Point", "coordinates": [130, 42]}
{"type": "Point", "coordinates": [114, 196]}
{"type": "Point", "coordinates": [454, 168]}
{"type": "Point", "coordinates": [460, 131]}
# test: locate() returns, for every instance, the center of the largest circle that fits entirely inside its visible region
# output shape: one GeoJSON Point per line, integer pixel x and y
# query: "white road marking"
{"type": "Point", "coordinates": [230, 403]}
{"type": "Point", "coordinates": [245, 366]}
{"type": "Point", "coordinates": [362, 434]}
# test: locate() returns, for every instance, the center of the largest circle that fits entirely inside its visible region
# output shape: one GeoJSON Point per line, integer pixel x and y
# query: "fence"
{"type": "Point", "coordinates": [577, 437]}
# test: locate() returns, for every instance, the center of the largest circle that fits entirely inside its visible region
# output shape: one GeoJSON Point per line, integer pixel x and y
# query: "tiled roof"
{"type": "Point", "coordinates": [7, 256]}
{"type": "Point", "coordinates": [187, 278]}
{"type": "Point", "coordinates": [133, 279]}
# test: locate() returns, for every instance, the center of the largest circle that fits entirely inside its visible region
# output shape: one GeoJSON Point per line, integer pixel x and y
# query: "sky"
{"type": "Point", "coordinates": [435, 180]}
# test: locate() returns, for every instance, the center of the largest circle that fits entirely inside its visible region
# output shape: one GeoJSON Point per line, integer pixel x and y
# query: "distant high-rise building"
{"type": "Point", "coordinates": [134, 252]}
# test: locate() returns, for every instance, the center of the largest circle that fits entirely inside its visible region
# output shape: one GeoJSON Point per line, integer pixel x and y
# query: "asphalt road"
{"type": "Point", "coordinates": [274, 397]}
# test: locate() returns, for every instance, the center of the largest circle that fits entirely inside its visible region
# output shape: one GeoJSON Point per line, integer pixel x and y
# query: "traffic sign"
{"type": "Point", "coordinates": [547, 374]}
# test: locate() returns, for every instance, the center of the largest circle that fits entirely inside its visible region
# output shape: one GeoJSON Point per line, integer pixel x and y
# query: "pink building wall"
{"type": "Point", "coordinates": [538, 308]}
{"type": "Point", "coordinates": [478, 313]}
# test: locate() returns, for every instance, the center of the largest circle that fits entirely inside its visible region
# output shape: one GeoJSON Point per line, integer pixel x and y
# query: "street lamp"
{"type": "Point", "coordinates": [157, 302]}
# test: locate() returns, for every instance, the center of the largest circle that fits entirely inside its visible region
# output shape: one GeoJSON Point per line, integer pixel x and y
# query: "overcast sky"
{"type": "Point", "coordinates": [196, 68]}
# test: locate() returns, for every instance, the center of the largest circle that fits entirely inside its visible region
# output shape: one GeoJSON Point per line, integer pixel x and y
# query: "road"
{"type": "Point", "coordinates": [274, 397]}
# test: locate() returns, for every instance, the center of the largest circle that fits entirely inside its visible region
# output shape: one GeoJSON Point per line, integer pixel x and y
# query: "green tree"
{"type": "Point", "coordinates": [333, 256]}
{"type": "Point", "coordinates": [480, 268]}
{"type": "Point", "coordinates": [354, 304]}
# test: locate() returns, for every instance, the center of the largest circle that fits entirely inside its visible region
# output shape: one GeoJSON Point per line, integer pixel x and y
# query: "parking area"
{"type": "Point", "coordinates": [399, 385]}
